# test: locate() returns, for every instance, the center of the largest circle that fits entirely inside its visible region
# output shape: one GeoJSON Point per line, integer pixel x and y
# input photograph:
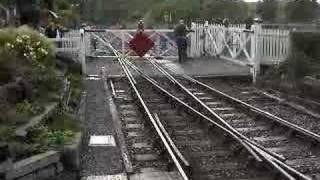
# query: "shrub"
{"type": "Point", "coordinates": [59, 137]}
{"type": "Point", "coordinates": [25, 51]}
{"type": "Point", "coordinates": [61, 121]}
{"type": "Point", "coordinates": [27, 43]}
{"type": "Point", "coordinates": [38, 134]}
{"type": "Point", "coordinates": [28, 109]}
{"type": "Point", "coordinates": [297, 66]}
{"type": "Point", "coordinates": [308, 43]}
{"type": "Point", "coordinates": [5, 133]}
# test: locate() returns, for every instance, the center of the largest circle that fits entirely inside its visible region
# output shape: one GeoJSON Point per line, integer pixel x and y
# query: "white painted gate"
{"type": "Point", "coordinates": [165, 45]}
{"type": "Point", "coordinates": [237, 44]}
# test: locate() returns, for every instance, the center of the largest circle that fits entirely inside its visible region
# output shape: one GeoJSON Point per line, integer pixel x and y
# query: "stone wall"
{"type": "Point", "coordinates": [38, 167]}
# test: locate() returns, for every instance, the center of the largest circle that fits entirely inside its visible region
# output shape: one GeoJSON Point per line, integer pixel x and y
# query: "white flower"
{"type": "Point", "coordinates": [9, 45]}
{"type": "Point", "coordinates": [25, 55]}
{"type": "Point", "coordinates": [19, 40]}
{"type": "Point", "coordinates": [44, 51]}
{"type": "Point", "coordinates": [38, 43]}
{"type": "Point", "coordinates": [25, 36]}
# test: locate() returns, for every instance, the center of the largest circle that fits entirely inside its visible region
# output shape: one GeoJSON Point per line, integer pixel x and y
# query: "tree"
{"type": "Point", "coordinates": [267, 10]}
{"type": "Point", "coordinates": [225, 9]}
{"type": "Point", "coordinates": [29, 13]}
{"type": "Point", "coordinates": [302, 10]}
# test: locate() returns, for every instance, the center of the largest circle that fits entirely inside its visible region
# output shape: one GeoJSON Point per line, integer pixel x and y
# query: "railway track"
{"type": "Point", "coordinates": [302, 115]}
{"type": "Point", "coordinates": [220, 157]}
{"type": "Point", "coordinates": [199, 121]}
{"type": "Point", "coordinates": [298, 146]}
{"type": "Point", "coordinates": [301, 151]}
{"type": "Point", "coordinates": [147, 153]}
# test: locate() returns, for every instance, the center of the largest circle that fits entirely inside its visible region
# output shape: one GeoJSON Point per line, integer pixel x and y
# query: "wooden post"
{"type": "Point", "coordinates": [82, 53]}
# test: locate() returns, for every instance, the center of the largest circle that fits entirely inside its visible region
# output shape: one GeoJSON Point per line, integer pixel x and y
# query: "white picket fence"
{"type": "Point", "coordinates": [235, 43]}
{"type": "Point", "coordinates": [69, 44]}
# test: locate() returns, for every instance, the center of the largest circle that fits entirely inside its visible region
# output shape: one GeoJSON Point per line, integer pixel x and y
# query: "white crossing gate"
{"type": "Point", "coordinates": [119, 39]}
{"type": "Point", "coordinates": [240, 45]}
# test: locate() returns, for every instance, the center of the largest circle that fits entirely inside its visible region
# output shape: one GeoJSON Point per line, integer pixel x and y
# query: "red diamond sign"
{"type": "Point", "coordinates": [141, 44]}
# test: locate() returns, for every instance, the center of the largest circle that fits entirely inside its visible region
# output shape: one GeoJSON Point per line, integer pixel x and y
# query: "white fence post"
{"type": "Point", "coordinates": [255, 52]}
{"type": "Point", "coordinates": [82, 53]}
{"type": "Point", "coordinates": [192, 40]}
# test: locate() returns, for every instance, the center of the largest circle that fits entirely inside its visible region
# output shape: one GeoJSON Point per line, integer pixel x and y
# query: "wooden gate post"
{"type": "Point", "coordinates": [82, 53]}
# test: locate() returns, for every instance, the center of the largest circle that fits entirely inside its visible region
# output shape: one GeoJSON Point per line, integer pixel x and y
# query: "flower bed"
{"type": "Point", "coordinates": [29, 84]}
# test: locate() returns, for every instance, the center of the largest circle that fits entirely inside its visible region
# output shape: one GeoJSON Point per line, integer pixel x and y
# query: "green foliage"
{"type": "Point", "coordinates": [297, 66]}
{"type": "Point", "coordinates": [59, 137]}
{"type": "Point", "coordinates": [225, 9]}
{"type": "Point", "coordinates": [268, 9]}
{"type": "Point", "coordinates": [154, 11]}
{"type": "Point", "coordinates": [24, 52]}
{"type": "Point", "coordinates": [307, 42]}
{"type": "Point", "coordinates": [25, 108]}
{"type": "Point", "coordinates": [38, 137]}
{"type": "Point", "coordinates": [28, 109]}
{"type": "Point", "coordinates": [61, 121]}
{"type": "Point", "coordinates": [5, 133]}
{"type": "Point", "coordinates": [29, 44]}
{"type": "Point", "coordinates": [25, 46]}
{"type": "Point", "coordinates": [45, 80]}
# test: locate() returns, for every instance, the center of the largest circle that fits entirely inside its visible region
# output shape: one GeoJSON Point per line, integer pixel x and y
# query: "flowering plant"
{"type": "Point", "coordinates": [33, 50]}
{"type": "Point", "coordinates": [29, 55]}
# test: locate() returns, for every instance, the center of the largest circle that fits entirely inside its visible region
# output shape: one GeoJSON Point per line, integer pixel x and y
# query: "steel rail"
{"type": "Point", "coordinates": [261, 112]}
{"type": "Point", "coordinates": [217, 116]}
{"type": "Point", "coordinates": [151, 118]}
{"type": "Point", "coordinates": [128, 30]}
{"type": "Point", "coordinates": [250, 146]}
{"type": "Point", "coordinates": [242, 136]}
{"type": "Point", "coordinates": [154, 123]}
{"type": "Point", "coordinates": [247, 143]}
{"type": "Point", "coordinates": [153, 82]}
{"type": "Point", "coordinates": [169, 139]}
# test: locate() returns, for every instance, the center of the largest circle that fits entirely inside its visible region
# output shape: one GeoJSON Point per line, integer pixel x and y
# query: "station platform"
{"type": "Point", "coordinates": [193, 67]}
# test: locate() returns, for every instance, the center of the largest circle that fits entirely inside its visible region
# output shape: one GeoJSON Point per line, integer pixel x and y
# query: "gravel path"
{"type": "Point", "coordinates": [97, 161]}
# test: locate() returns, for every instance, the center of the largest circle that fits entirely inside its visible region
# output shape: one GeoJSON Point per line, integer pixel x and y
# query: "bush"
{"type": "Point", "coordinates": [304, 59]}
{"type": "Point", "coordinates": [60, 137]}
{"type": "Point", "coordinates": [308, 43]}
{"type": "Point", "coordinates": [29, 109]}
{"type": "Point", "coordinates": [61, 121]}
{"type": "Point", "coordinates": [24, 52]}
{"type": "Point", "coordinates": [296, 67]}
